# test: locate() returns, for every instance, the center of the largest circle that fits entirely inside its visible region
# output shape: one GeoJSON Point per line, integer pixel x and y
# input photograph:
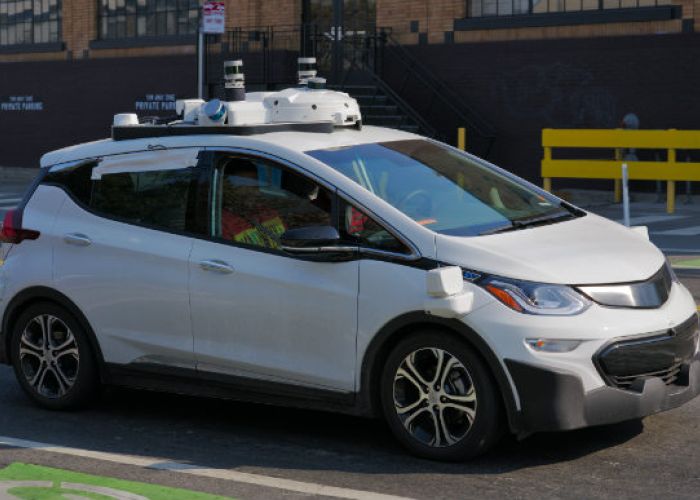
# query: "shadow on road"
{"type": "Point", "coordinates": [229, 434]}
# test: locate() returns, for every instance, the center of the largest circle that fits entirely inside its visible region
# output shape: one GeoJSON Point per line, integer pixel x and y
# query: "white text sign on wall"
{"type": "Point", "coordinates": [156, 102]}
{"type": "Point", "coordinates": [21, 103]}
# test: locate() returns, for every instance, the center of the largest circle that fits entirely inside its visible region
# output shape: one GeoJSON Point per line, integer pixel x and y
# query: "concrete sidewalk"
{"type": "Point", "coordinates": [18, 174]}
{"type": "Point", "coordinates": [675, 234]}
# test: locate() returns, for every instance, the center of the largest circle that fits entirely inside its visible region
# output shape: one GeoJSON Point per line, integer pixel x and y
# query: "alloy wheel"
{"type": "Point", "coordinates": [49, 356]}
{"type": "Point", "coordinates": [435, 397]}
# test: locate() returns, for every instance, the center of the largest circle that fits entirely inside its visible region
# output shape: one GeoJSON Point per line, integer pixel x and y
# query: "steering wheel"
{"type": "Point", "coordinates": [421, 209]}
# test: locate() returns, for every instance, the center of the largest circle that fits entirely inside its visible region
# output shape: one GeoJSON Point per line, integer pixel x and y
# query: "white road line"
{"type": "Point", "coordinates": [195, 470]}
{"type": "Point", "coordinates": [683, 231]}
{"type": "Point", "coordinates": [9, 200]}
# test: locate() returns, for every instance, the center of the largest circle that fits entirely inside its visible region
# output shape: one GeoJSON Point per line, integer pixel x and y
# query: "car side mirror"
{"type": "Point", "coordinates": [316, 243]}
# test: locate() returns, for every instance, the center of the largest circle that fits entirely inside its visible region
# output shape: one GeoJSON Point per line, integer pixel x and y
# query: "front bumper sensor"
{"type": "Point", "coordinates": [554, 400]}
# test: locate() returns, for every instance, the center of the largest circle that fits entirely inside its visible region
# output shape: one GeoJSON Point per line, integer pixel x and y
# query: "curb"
{"type": "Point", "coordinates": [18, 174]}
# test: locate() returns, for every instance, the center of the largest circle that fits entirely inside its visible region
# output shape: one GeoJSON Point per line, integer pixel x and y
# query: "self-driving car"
{"type": "Point", "coordinates": [272, 249]}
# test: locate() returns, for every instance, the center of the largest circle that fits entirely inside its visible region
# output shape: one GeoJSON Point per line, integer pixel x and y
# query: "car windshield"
{"type": "Point", "coordinates": [443, 189]}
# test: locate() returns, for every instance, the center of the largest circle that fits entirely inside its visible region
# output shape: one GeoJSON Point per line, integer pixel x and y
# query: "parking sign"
{"type": "Point", "coordinates": [213, 18]}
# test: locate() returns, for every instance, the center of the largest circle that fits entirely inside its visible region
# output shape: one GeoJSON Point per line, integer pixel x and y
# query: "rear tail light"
{"type": "Point", "coordinates": [12, 230]}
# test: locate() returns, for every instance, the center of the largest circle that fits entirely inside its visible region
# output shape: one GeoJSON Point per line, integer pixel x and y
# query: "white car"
{"type": "Point", "coordinates": [321, 264]}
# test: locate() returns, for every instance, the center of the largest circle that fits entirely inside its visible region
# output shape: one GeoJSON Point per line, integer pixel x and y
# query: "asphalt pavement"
{"type": "Point", "coordinates": [657, 457]}
{"type": "Point", "coordinates": [258, 452]}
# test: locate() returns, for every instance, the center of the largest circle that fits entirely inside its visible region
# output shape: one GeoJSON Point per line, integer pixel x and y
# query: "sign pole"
{"type": "Point", "coordinates": [200, 64]}
{"type": "Point", "coordinates": [212, 22]}
{"type": "Point", "coordinates": [625, 195]}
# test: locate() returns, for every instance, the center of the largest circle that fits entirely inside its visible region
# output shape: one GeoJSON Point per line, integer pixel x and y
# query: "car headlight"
{"type": "Point", "coordinates": [528, 297]}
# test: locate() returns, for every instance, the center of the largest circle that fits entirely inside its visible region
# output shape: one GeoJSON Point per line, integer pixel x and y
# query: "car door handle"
{"type": "Point", "coordinates": [216, 266]}
{"type": "Point", "coordinates": [77, 239]}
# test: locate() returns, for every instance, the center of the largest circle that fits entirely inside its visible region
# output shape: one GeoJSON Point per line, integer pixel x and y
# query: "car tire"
{"type": "Point", "coordinates": [460, 402]}
{"type": "Point", "coordinates": [52, 358]}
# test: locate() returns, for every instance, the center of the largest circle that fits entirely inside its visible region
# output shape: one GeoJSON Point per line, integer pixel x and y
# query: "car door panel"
{"type": "Point", "coordinates": [274, 317]}
{"type": "Point", "coordinates": [260, 313]}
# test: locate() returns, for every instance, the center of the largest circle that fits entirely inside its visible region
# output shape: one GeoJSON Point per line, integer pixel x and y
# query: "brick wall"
{"type": "Point", "coordinates": [79, 26]}
{"type": "Point", "coordinates": [412, 22]}
{"type": "Point", "coordinates": [433, 19]}
{"type": "Point", "coordinates": [250, 13]}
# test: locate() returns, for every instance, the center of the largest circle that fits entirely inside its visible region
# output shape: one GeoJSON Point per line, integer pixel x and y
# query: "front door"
{"type": "Point", "coordinates": [339, 34]}
{"type": "Point", "coordinates": [258, 312]}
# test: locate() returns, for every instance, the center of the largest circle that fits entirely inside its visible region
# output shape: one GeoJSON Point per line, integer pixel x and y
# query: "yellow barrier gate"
{"type": "Point", "coordinates": [670, 170]}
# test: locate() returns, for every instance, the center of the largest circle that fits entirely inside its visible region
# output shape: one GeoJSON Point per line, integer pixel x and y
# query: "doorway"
{"type": "Point", "coordinates": [338, 33]}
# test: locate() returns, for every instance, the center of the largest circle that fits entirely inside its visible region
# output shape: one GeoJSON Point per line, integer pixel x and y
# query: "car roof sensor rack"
{"type": "Point", "coordinates": [308, 107]}
{"type": "Point", "coordinates": [124, 133]}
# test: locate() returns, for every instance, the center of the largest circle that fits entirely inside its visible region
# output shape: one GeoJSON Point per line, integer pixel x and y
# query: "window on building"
{"type": "Point", "coordinates": [30, 21]}
{"type": "Point", "coordinates": [137, 18]}
{"type": "Point", "coordinates": [485, 8]}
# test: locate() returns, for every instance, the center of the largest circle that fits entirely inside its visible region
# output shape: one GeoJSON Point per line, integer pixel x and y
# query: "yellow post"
{"type": "Point", "coordinates": [547, 180]}
{"type": "Point", "coordinates": [671, 185]}
{"type": "Point", "coordinates": [670, 197]}
{"type": "Point", "coordinates": [462, 138]}
{"type": "Point", "coordinates": [618, 182]}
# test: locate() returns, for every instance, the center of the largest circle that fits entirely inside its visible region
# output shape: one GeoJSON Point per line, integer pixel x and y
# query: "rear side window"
{"type": "Point", "coordinates": [156, 198]}
{"type": "Point", "coordinates": [161, 199]}
{"type": "Point", "coordinates": [75, 180]}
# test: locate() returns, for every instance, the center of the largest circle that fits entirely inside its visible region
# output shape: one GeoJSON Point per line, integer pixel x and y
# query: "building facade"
{"type": "Point", "coordinates": [504, 69]}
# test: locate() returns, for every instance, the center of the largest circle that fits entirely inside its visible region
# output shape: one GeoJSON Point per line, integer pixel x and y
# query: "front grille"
{"type": "Point", "coordinates": [663, 355]}
{"type": "Point", "coordinates": [669, 376]}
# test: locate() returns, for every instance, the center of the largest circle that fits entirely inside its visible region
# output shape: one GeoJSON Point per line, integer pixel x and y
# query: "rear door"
{"type": "Point", "coordinates": [124, 241]}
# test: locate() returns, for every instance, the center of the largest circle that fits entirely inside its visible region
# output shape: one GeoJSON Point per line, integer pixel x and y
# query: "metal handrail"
{"type": "Point", "coordinates": [386, 89]}
{"type": "Point", "coordinates": [439, 89]}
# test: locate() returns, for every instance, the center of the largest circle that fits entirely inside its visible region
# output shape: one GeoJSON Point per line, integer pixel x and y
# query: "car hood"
{"type": "Point", "coordinates": [586, 250]}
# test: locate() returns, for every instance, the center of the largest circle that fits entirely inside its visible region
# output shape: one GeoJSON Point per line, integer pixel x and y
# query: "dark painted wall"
{"type": "Point", "coordinates": [77, 100]}
{"type": "Point", "coordinates": [520, 87]}
{"type": "Point", "coordinates": [524, 86]}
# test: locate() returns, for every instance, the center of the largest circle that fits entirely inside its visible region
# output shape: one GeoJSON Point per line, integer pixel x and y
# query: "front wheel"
{"type": "Point", "coordinates": [439, 398]}
{"type": "Point", "coordinates": [52, 358]}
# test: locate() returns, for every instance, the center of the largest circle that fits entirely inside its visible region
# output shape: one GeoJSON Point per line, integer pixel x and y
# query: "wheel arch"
{"type": "Point", "coordinates": [33, 295]}
{"type": "Point", "coordinates": [396, 329]}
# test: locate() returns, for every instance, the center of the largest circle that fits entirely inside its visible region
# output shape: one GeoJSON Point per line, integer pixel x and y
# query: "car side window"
{"type": "Point", "coordinates": [76, 180]}
{"type": "Point", "coordinates": [159, 199]}
{"type": "Point", "coordinates": [260, 200]}
{"type": "Point", "coordinates": [358, 228]}
{"type": "Point", "coordinates": [162, 199]}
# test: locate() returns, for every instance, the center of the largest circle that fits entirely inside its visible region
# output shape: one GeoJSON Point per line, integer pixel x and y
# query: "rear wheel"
{"type": "Point", "coordinates": [439, 399]}
{"type": "Point", "coordinates": [52, 358]}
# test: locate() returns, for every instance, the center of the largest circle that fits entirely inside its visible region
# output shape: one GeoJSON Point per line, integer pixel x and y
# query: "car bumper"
{"type": "Point", "coordinates": [554, 400]}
